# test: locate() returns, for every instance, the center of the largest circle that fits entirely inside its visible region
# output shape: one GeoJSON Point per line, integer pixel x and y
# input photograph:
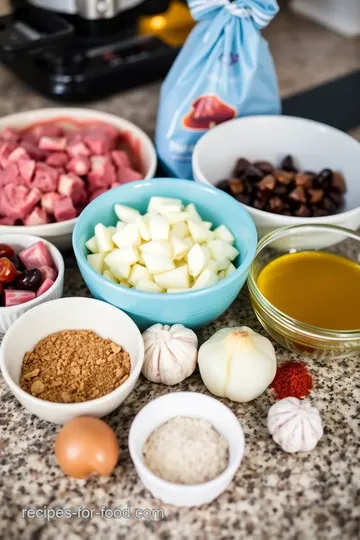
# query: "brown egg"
{"type": "Point", "coordinates": [86, 445]}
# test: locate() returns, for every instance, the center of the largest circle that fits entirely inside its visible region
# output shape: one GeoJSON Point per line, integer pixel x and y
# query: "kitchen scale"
{"type": "Point", "coordinates": [73, 59]}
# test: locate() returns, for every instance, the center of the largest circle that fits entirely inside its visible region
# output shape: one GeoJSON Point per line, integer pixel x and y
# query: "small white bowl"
{"type": "Point", "coordinates": [195, 405]}
{"type": "Point", "coordinates": [60, 233]}
{"type": "Point", "coordinates": [314, 146]}
{"type": "Point", "coordinates": [8, 315]}
{"type": "Point", "coordinates": [69, 314]}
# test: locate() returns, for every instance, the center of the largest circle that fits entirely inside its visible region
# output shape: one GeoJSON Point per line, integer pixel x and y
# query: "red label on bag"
{"type": "Point", "coordinates": [208, 111]}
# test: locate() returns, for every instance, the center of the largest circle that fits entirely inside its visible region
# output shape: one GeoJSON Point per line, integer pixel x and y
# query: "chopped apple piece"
{"type": "Point", "coordinates": [223, 264]}
{"type": "Point", "coordinates": [175, 217]}
{"type": "Point", "coordinates": [103, 238]}
{"type": "Point", "coordinates": [142, 224]}
{"type": "Point", "coordinates": [198, 232]}
{"type": "Point", "coordinates": [189, 241]}
{"type": "Point", "coordinates": [197, 259]}
{"type": "Point", "coordinates": [108, 275]}
{"type": "Point", "coordinates": [148, 286]}
{"type": "Point", "coordinates": [128, 236]}
{"type": "Point", "coordinates": [121, 271]}
{"type": "Point", "coordinates": [181, 230]}
{"type": "Point", "coordinates": [205, 279]}
{"type": "Point", "coordinates": [96, 261]}
{"type": "Point", "coordinates": [220, 250]}
{"type": "Point", "coordinates": [230, 270]}
{"type": "Point", "coordinates": [207, 224]}
{"type": "Point", "coordinates": [112, 230]}
{"type": "Point", "coordinates": [223, 233]}
{"type": "Point", "coordinates": [222, 274]}
{"type": "Point", "coordinates": [139, 272]}
{"type": "Point", "coordinates": [157, 263]}
{"type": "Point", "coordinates": [92, 245]}
{"type": "Point", "coordinates": [128, 255]}
{"type": "Point", "coordinates": [165, 204]}
{"type": "Point", "coordinates": [159, 228]}
{"type": "Point", "coordinates": [179, 247]}
{"type": "Point", "coordinates": [157, 246]}
{"type": "Point", "coordinates": [126, 213]}
{"type": "Point", "coordinates": [178, 278]}
{"type": "Point", "coordinates": [194, 215]}
{"type": "Point", "coordinates": [212, 265]}
{"type": "Point", "coordinates": [120, 225]}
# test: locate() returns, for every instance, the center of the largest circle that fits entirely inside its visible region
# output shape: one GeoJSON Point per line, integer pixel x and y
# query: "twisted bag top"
{"type": "Point", "coordinates": [224, 70]}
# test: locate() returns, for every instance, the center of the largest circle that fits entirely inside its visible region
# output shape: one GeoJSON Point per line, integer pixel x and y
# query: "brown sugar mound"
{"type": "Point", "coordinates": [74, 366]}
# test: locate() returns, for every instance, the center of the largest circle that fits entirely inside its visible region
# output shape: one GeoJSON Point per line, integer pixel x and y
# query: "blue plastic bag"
{"type": "Point", "coordinates": [223, 71]}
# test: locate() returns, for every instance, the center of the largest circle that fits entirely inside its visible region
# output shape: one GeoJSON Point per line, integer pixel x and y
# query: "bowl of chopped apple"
{"type": "Point", "coordinates": [165, 250]}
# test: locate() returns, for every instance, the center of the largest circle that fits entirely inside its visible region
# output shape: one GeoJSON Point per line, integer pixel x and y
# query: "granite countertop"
{"type": "Point", "coordinates": [274, 495]}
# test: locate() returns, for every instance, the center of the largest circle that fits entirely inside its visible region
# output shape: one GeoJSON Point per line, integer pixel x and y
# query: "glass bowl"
{"type": "Point", "coordinates": [287, 331]}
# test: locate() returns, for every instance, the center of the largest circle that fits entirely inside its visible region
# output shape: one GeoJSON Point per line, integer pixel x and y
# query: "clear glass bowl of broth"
{"type": "Point", "coordinates": [304, 285]}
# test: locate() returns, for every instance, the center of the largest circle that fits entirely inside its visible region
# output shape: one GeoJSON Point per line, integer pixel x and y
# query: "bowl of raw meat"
{"type": "Point", "coordinates": [53, 162]}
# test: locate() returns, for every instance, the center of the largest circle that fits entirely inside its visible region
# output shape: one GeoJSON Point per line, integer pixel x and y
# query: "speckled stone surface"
{"type": "Point", "coordinates": [274, 496]}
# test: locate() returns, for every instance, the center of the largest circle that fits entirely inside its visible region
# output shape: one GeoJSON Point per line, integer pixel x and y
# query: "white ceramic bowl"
{"type": "Point", "coordinates": [195, 405]}
{"type": "Point", "coordinates": [66, 314]}
{"type": "Point", "coordinates": [315, 146]}
{"type": "Point", "coordinates": [60, 233]}
{"type": "Point", "coordinates": [8, 315]}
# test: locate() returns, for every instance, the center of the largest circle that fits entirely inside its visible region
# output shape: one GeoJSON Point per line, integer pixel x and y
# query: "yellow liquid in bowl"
{"type": "Point", "coordinates": [317, 288]}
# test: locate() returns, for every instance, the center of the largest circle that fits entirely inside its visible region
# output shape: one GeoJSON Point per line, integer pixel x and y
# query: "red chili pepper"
{"type": "Point", "coordinates": [292, 379]}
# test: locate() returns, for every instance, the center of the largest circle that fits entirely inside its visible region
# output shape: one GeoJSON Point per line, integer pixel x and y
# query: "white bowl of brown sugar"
{"type": "Point", "coordinates": [72, 357]}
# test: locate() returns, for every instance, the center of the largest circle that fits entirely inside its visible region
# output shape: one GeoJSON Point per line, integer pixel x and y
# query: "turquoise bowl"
{"type": "Point", "coordinates": [193, 308]}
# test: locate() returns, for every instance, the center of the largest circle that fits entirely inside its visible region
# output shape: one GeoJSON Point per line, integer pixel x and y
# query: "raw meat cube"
{"type": "Point", "coordinates": [77, 148]}
{"type": "Point", "coordinates": [18, 153]}
{"type": "Point", "coordinates": [96, 193]}
{"type": "Point", "coordinates": [10, 175]}
{"type": "Point", "coordinates": [33, 151]}
{"type": "Point", "coordinates": [48, 201]}
{"type": "Point", "coordinates": [115, 184]}
{"type": "Point", "coordinates": [26, 169]}
{"type": "Point", "coordinates": [79, 165]}
{"type": "Point", "coordinates": [36, 256]}
{"type": "Point", "coordinates": [48, 273]}
{"type": "Point", "coordinates": [57, 159]}
{"type": "Point", "coordinates": [73, 136]}
{"type": "Point", "coordinates": [126, 175]}
{"type": "Point", "coordinates": [5, 150]}
{"type": "Point", "coordinates": [37, 217]}
{"type": "Point", "coordinates": [35, 133]}
{"type": "Point", "coordinates": [18, 201]}
{"type": "Point", "coordinates": [7, 221]}
{"type": "Point", "coordinates": [46, 178]}
{"type": "Point", "coordinates": [52, 143]}
{"type": "Point", "coordinates": [45, 286]}
{"type": "Point", "coordinates": [14, 297]}
{"type": "Point", "coordinates": [72, 186]}
{"type": "Point", "coordinates": [64, 209]}
{"type": "Point", "coordinates": [99, 139]}
{"type": "Point", "coordinates": [10, 135]}
{"type": "Point", "coordinates": [102, 174]}
{"type": "Point", "coordinates": [120, 159]}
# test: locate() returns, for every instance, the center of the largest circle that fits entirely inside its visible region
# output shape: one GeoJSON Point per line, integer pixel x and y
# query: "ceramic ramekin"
{"type": "Point", "coordinates": [194, 405]}
{"type": "Point", "coordinates": [67, 314]}
{"type": "Point", "coordinates": [314, 146]}
{"type": "Point", "coordinates": [8, 315]}
{"type": "Point", "coordinates": [193, 308]}
{"type": "Point", "coordinates": [60, 233]}
{"type": "Point", "coordinates": [291, 333]}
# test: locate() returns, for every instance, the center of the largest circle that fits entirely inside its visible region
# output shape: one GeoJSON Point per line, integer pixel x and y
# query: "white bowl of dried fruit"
{"type": "Point", "coordinates": [72, 357]}
{"type": "Point", "coordinates": [186, 447]}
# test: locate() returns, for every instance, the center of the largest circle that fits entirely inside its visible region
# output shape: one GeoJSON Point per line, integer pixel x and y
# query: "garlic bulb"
{"type": "Point", "coordinates": [237, 363]}
{"type": "Point", "coordinates": [170, 353]}
{"type": "Point", "coordinates": [295, 425]}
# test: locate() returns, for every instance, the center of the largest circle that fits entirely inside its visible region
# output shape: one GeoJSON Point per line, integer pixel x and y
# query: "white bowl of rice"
{"type": "Point", "coordinates": [156, 444]}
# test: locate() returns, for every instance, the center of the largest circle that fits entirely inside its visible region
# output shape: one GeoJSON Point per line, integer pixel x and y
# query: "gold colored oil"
{"type": "Point", "coordinates": [317, 288]}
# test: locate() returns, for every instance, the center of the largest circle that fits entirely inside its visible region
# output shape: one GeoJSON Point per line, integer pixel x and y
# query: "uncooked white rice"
{"type": "Point", "coordinates": [186, 451]}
